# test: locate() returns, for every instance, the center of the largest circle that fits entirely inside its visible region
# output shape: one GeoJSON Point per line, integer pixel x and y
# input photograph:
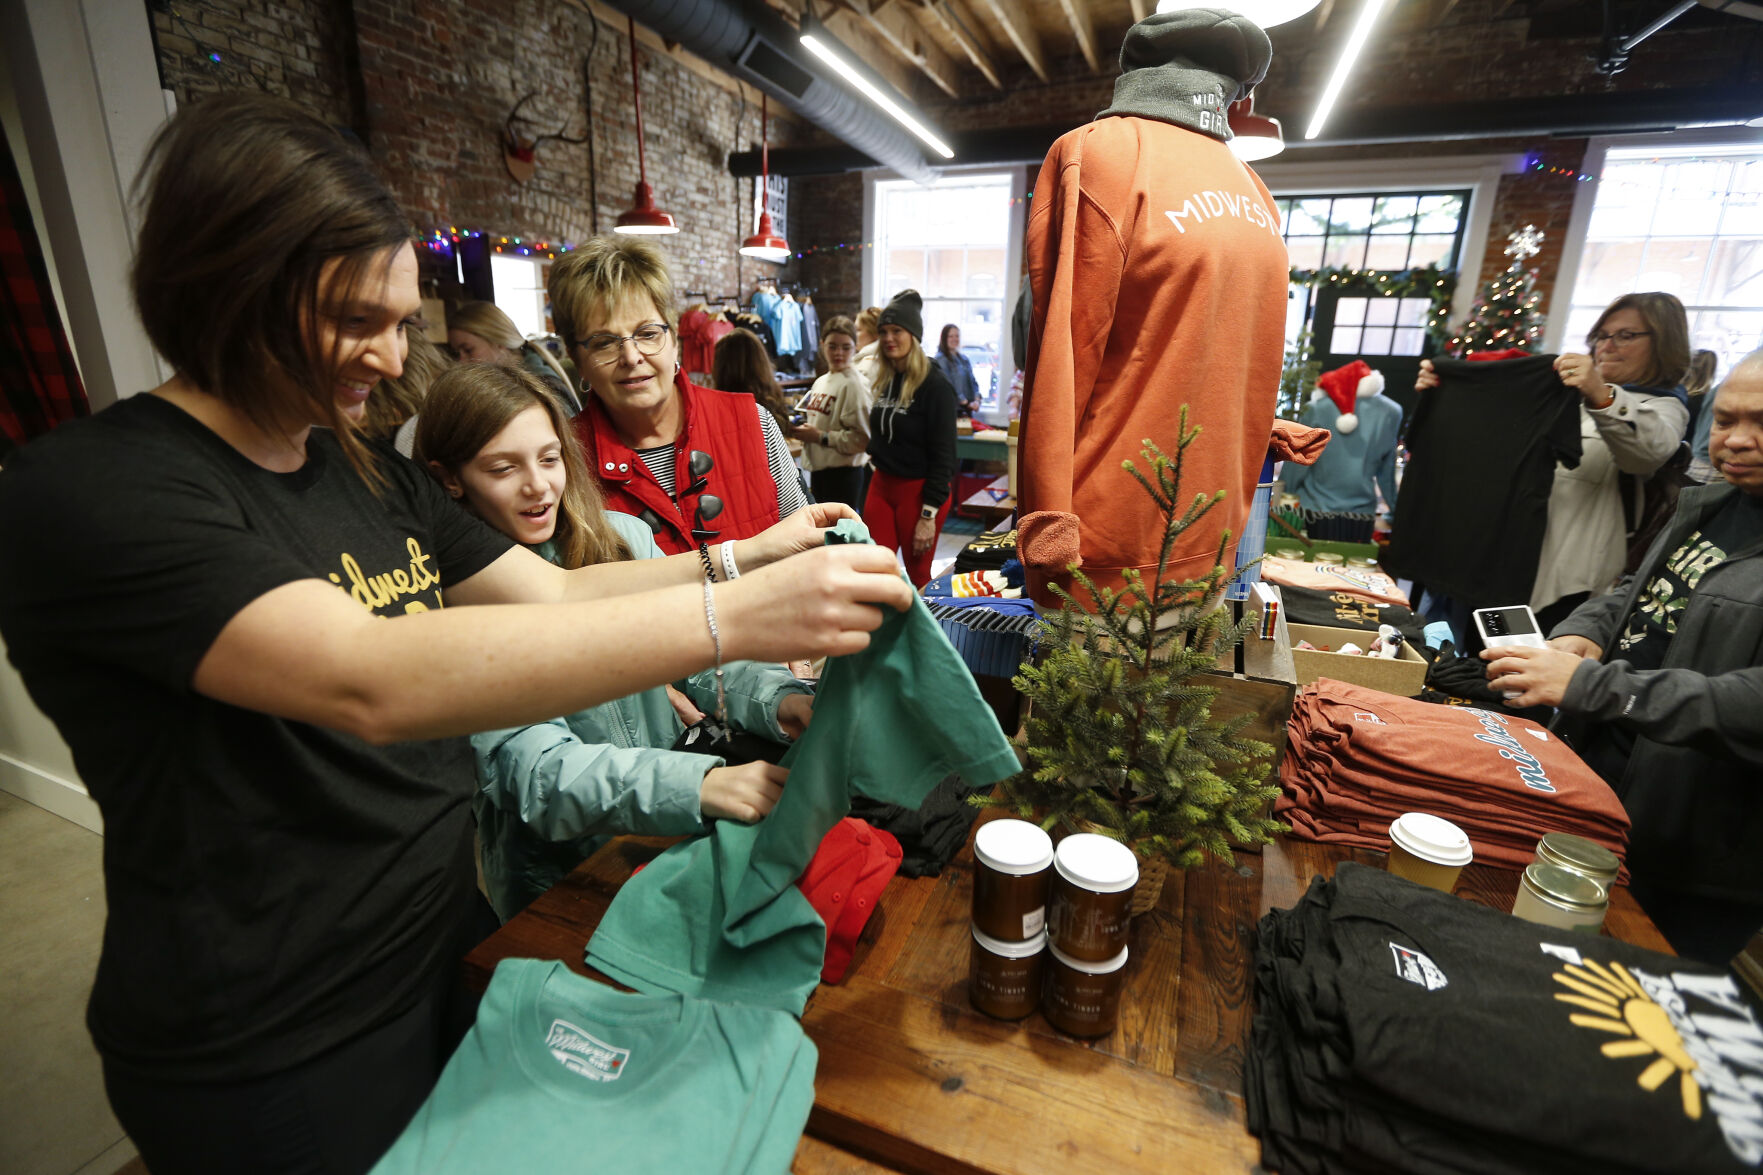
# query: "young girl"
{"type": "Point", "coordinates": [837, 432]}
{"type": "Point", "coordinates": [549, 794]}
{"type": "Point", "coordinates": [260, 635]}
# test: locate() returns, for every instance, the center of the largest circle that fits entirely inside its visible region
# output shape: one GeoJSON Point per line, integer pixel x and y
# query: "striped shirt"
{"type": "Point", "coordinates": [790, 497]}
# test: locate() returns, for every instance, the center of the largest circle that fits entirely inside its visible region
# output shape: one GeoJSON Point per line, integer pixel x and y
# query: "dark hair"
{"type": "Point", "coordinates": [393, 401]}
{"type": "Point", "coordinates": [473, 402]}
{"type": "Point", "coordinates": [741, 365]}
{"type": "Point", "coordinates": [943, 339]}
{"type": "Point", "coordinates": [1665, 317]}
{"type": "Point", "coordinates": [247, 199]}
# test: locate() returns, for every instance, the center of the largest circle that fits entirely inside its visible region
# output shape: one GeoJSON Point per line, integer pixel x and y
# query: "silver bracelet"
{"type": "Point", "coordinates": [729, 570]}
{"type": "Point", "coordinates": [716, 643]}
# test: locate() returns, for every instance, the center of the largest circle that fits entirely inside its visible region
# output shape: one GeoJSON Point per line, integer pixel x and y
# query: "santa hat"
{"type": "Point", "coordinates": [1344, 385]}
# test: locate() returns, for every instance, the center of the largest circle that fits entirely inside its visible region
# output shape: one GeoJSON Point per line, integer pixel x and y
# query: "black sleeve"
{"type": "Point", "coordinates": [464, 543]}
{"type": "Point", "coordinates": [939, 438]}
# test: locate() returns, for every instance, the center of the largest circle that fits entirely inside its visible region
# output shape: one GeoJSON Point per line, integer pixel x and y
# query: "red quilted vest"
{"type": "Point", "coordinates": [723, 424]}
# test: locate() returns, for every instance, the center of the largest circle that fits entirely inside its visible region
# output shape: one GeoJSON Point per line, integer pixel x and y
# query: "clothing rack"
{"type": "Point", "coordinates": [690, 296]}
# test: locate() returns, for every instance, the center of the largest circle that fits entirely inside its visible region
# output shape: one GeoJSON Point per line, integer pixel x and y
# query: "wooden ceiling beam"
{"type": "Point", "coordinates": [1015, 22]}
{"type": "Point", "coordinates": [1083, 27]}
{"type": "Point", "coordinates": [948, 18]}
{"type": "Point", "coordinates": [857, 36]}
{"type": "Point", "coordinates": [894, 25]}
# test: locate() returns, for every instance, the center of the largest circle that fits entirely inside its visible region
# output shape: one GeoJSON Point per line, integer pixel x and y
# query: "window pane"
{"type": "Point", "coordinates": [1309, 218]}
{"type": "Point", "coordinates": [1608, 270]}
{"type": "Point", "coordinates": [1304, 252]}
{"type": "Point", "coordinates": [1433, 249]}
{"type": "Point", "coordinates": [1743, 216]}
{"type": "Point", "coordinates": [1344, 341]}
{"type": "Point", "coordinates": [1377, 340]}
{"type": "Point", "coordinates": [1351, 215]}
{"type": "Point", "coordinates": [985, 273]}
{"type": "Point", "coordinates": [1409, 340]}
{"type": "Point", "coordinates": [1349, 311]}
{"type": "Point", "coordinates": [1297, 312]}
{"type": "Point", "coordinates": [1345, 251]}
{"type": "Point", "coordinates": [1690, 197]}
{"type": "Point", "coordinates": [1626, 195]}
{"type": "Point", "coordinates": [945, 273]}
{"type": "Point", "coordinates": [1380, 311]}
{"type": "Point", "coordinates": [1387, 253]}
{"type": "Point", "coordinates": [1394, 214]}
{"type": "Point", "coordinates": [1676, 267]}
{"type": "Point", "coordinates": [1412, 311]}
{"type": "Point", "coordinates": [1439, 214]}
{"type": "Point", "coordinates": [1736, 277]}
{"type": "Point", "coordinates": [905, 270]}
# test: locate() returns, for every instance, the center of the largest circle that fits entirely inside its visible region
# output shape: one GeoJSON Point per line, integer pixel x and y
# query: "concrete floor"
{"type": "Point", "coordinates": [54, 1119]}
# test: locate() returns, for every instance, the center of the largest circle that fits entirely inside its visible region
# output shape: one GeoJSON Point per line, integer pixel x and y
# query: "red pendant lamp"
{"type": "Point", "coordinates": [643, 217]}
{"type": "Point", "coordinates": [1253, 136]}
{"type": "Point", "coordinates": [765, 243]}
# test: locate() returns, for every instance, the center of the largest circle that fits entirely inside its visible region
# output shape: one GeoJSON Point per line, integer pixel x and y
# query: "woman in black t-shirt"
{"type": "Point", "coordinates": [261, 636]}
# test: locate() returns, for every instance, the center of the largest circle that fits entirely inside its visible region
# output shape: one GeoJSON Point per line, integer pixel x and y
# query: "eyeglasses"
{"type": "Point", "coordinates": [1621, 338]}
{"type": "Point", "coordinates": [604, 350]}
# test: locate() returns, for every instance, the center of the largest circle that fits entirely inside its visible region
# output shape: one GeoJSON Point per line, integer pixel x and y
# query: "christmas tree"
{"type": "Point", "coordinates": [1121, 737]}
{"type": "Point", "coordinates": [1505, 313]}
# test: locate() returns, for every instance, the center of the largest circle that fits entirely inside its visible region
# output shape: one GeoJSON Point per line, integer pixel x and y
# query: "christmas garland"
{"type": "Point", "coordinates": [1427, 281]}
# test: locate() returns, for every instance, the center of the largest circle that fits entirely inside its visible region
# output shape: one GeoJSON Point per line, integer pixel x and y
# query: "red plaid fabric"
{"type": "Point", "coordinates": [39, 383]}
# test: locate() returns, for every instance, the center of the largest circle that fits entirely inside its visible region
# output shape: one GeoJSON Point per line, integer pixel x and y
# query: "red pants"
{"type": "Point", "coordinates": [891, 510]}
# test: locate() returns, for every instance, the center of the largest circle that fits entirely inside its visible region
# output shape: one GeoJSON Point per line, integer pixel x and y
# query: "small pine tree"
{"type": "Point", "coordinates": [1297, 378]}
{"type": "Point", "coordinates": [1121, 738]}
{"type": "Point", "coordinates": [1505, 313]}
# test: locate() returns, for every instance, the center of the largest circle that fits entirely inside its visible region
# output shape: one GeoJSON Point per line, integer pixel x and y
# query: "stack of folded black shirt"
{"type": "Point", "coordinates": [1398, 1028]}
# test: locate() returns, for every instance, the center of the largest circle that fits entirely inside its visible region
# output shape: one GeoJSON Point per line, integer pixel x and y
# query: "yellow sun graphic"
{"type": "Point", "coordinates": [1624, 1009]}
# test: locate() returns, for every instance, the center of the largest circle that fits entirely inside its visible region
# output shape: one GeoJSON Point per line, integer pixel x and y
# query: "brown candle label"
{"type": "Point", "coordinates": [1034, 922]}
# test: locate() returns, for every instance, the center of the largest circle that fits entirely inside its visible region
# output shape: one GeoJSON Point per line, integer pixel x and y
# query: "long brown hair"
{"type": "Point", "coordinates": [473, 402]}
{"type": "Point", "coordinates": [394, 401]}
{"type": "Point", "coordinates": [247, 200]}
{"type": "Point", "coordinates": [741, 365]}
{"type": "Point", "coordinates": [1665, 317]}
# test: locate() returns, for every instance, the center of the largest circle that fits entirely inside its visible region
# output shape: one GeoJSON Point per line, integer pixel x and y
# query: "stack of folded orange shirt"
{"type": "Point", "coordinates": [1356, 759]}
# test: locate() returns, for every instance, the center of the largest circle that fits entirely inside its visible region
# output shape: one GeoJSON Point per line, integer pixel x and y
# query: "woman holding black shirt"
{"type": "Point", "coordinates": [911, 441]}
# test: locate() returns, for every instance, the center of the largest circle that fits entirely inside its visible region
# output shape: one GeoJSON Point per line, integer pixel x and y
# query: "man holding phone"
{"type": "Point", "coordinates": [1663, 682]}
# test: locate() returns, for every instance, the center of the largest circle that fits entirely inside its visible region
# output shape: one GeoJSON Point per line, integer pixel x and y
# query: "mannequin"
{"type": "Point", "coordinates": [1158, 279]}
{"type": "Point", "coordinates": [1339, 492]}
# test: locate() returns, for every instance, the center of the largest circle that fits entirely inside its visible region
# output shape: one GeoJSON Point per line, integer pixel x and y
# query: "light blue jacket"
{"type": "Point", "coordinates": [1341, 480]}
{"type": "Point", "coordinates": [550, 794]}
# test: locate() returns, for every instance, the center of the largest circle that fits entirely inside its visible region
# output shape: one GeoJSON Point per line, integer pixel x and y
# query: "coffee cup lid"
{"type": "Point", "coordinates": [1011, 950]}
{"type": "Point", "coordinates": [1013, 846]}
{"type": "Point", "coordinates": [1098, 863]}
{"type": "Point", "coordinates": [1105, 967]}
{"type": "Point", "coordinates": [1432, 839]}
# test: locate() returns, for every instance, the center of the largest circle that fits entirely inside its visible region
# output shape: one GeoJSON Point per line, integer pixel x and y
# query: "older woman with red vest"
{"type": "Point", "coordinates": [696, 465]}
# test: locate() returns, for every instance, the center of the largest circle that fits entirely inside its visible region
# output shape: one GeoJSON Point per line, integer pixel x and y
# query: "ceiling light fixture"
{"type": "Point", "coordinates": [1265, 13]}
{"type": "Point", "coordinates": [1344, 67]}
{"type": "Point", "coordinates": [817, 42]}
{"type": "Point", "coordinates": [1253, 136]}
{"type": "Point", "coordinates": [642, 217]}
{"type": "Point", "coordinates": [765, 243]}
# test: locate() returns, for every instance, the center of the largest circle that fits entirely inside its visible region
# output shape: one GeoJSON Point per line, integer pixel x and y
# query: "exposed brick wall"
{"type": "Point", "coordinates": [826, 211]}
{"type": "Point", "coordinates": [440, 77]}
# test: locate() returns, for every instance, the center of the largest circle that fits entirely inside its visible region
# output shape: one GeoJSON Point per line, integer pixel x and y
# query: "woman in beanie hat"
{"type": "Point", "coordinates": [911, 441]}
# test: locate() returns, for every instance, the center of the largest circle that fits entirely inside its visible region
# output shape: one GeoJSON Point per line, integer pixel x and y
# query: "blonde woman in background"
{"type": "Point", "coordinates": [479, 332]}
{"type": "Point", "coordinates": [911, 442]}
{"type": "Point", "coordinates": [1700, 380]}
{"type": "Point", "coordinates": [868, 360]}
{"type": "Point", "coordinates": [836, 436]}
{"type": "Point", "coordinates": [393, 405]}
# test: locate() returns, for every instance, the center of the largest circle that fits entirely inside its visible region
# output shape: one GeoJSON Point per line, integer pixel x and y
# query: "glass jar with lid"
{"type": "Point", "coordinates": [1585, 857]}
{"type": "Point", "coordinates": [1560, 898]}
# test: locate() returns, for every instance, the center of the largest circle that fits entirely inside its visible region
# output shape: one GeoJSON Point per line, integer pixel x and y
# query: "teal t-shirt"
{"type": "Point", "coordinates": [561, 1073]}
{"type": "Point", "coordinates": [720, 916]}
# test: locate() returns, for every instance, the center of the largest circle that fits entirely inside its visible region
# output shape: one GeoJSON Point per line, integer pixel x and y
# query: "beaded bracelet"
{"type": "Point", "coordinates": [716, 643]}
{"type": "Point", "coordinates": [709, 567]}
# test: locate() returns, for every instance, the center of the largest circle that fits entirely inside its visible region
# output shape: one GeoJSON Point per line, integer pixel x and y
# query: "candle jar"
{"type": "Point", "coordinates": [1090, 910]}
{"type": "Point", "coordinates": [1585, 857]}
{"type": "Point", "coordinates": [1560, 898]}
{"type": "Point", "coordinates": [1012, 863]}
{"type": "Point", "coordinates": [1083, 997]}
{"type": "Point", "coordinates": [1004, 978]}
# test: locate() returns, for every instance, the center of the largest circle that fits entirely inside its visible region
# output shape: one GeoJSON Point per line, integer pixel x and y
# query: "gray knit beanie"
{"type": "Point", "coordinates": [906, 311]}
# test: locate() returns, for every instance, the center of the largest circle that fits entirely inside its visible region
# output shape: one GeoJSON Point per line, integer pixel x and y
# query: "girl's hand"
{"type": "Point", "coordinates": [1581, 372]}
{"type": "Point", "coordinates": [1428, 378]}
{"type": "Point", "coordinates": [802, 531]}
{"type": "Point", "coordinates": [745, 793]}
{"type": "Point", "coordinates": [682, 706]}
{"type": "Point", "coordinates": [794, 712]}
{"type": "Point", "coordinates": [822, 603]}
{"type": "Point", "coordinates": [923, 535]}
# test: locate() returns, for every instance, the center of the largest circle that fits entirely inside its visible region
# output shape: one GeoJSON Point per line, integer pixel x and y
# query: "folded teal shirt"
{"type": "Point", "coordinates": [720, 916]}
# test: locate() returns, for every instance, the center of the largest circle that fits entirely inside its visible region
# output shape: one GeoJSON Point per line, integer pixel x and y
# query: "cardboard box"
{"type": "Point", "coordinates": [1403, 676]}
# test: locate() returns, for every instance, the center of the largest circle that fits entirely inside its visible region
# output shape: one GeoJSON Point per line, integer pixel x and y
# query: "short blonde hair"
{"type": "Point", "coordinates": [603, 272]}
{"type": "Point", "coordinates": [488, 322]}
{"type": "Point", "coordinates": [869, 320]}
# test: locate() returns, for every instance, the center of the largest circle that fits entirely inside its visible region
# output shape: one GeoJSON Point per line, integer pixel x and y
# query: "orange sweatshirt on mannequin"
{"type": "Point", "coordinates": [1159, 279]}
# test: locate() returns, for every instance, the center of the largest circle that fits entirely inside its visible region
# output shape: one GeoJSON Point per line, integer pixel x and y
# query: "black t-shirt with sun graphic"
{"type": "Point", "coordinates": [1401, 1028]}
{"type": "Point", "coordinates": [1736, 525]}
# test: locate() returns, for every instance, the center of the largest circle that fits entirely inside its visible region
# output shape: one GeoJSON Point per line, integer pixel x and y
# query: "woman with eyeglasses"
{"type": "Point", "coordinates": [551, 793]}
{"type": "Point", "coordinates": [1632, 414]}
{"type": "Point", "coordinates": [264, 639]}
{"type": "Point", "coordinates": [692, 463]}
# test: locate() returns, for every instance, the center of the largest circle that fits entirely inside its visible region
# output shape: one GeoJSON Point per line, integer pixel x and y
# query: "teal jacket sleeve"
{"type": "Point", "coordinates": [563, 788]}
{"type": "Point", "coordinates": [754, 689]}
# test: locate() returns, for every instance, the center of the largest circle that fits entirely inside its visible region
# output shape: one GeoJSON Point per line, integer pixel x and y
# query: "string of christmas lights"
{"type": "Point", "coordinates": [1428, 281]}
{"type": "Point", "coordinates": [439, 241]}
{"type": "Point", "coordinates": [1538, 166]}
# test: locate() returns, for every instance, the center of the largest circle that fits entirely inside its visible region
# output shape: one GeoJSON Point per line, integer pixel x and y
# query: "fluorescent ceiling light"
{"type": "Point", "coordinates": [1344, 67]}
{"type": "Point", "coordinates": [1265, 13]}
{"type": "Point", "coordinates": [823, 49]}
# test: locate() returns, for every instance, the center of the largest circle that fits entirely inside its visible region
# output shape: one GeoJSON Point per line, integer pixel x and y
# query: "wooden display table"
{"type": "Point", "coordinates": [912, 1079]}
